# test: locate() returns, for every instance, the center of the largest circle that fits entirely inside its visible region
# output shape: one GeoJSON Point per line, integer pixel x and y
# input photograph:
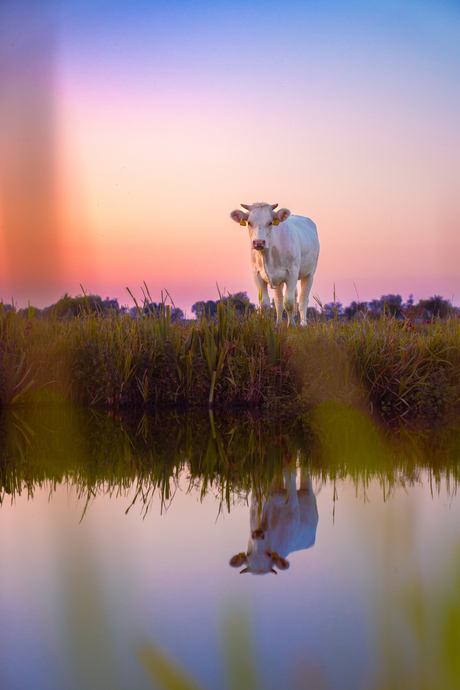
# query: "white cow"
{"type": "Point", "coordinates": [284, 249]}
{"type": "Point", "coordinates": [284, 522]}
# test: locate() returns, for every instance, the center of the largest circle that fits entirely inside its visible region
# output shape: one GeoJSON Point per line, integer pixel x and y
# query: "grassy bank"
{"type": "Point", "coordinates": [386, 368]}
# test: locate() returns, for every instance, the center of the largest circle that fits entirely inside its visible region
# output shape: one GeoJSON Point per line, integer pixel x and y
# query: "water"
{"type": "Point", "coordinates": [116, 535]}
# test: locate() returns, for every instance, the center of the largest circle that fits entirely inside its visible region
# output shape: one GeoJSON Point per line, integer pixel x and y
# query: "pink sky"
{"type": "Point", "coordinates": [127, 148]}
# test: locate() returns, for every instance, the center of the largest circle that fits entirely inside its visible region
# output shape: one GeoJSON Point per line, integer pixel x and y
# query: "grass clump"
{"type": "Point", "coordinates": [383, 367]}
{"type": "Point", "coordinates": [399, 374]}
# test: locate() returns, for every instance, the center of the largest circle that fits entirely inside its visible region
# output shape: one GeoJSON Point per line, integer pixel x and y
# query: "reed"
{"type": "Point", "coordinates": [401, 374]}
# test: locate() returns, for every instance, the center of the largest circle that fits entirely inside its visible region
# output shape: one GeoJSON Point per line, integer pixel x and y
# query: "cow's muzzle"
{"type": "Point", "coordinates": [258, 534]}
{"type": "Point", "coordinates": [258, 244]}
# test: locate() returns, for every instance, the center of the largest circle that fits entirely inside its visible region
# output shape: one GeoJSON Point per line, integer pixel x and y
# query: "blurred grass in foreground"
{"type": "Point", "coordinates": [238, 653]}
{"type": "Point", "coordinates": [417, 633]}
{"type": "Point", "coordinates": [420, 634]}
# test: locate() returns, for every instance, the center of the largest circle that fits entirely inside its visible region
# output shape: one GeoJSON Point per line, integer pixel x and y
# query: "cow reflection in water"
{"type": "Point", "coordinates": [283, 522]}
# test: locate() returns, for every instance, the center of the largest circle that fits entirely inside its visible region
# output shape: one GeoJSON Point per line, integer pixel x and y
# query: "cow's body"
{"type": "Point", "coordinates": [284, 249]}
{"type": "Point", "coordinates": [284, 522]}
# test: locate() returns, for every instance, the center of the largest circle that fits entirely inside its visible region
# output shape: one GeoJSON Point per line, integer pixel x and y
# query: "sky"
{"type": "Point", "coordinates": [130, 130]}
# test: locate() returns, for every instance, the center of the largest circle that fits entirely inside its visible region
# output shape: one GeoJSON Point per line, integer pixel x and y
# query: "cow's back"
{"type": "Point", "coordinates": [307, 238]}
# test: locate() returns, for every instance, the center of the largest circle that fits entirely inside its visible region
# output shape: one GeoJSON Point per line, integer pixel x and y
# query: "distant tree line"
{"type": "Point", "coordinates": [68, 307]}
{"type": "Point", "coordinates": [393, 305]}
{"type": "Point", "coordinates": [426, 309]}
{"type": "Point", "coordinates": [240, 302]}
{"type": "Point", "coordinates": [158, 309]}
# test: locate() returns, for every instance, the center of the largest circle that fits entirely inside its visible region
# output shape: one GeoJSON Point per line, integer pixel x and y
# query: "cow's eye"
{"type": "Point", "coordinates": [250, 224]}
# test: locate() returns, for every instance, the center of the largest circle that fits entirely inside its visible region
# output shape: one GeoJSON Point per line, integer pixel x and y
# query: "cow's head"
{"type": "Point", "coordinates": [259, 558]}
{"type": "Point", "coordinates": [260, 219]}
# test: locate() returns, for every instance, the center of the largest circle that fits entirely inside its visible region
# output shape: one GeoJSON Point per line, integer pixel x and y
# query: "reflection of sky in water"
{"type": "Point", "coordinates": [167, 578]}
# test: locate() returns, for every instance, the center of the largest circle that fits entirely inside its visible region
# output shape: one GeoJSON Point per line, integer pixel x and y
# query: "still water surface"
{"type": "Point", "coordinates": [114, 536]}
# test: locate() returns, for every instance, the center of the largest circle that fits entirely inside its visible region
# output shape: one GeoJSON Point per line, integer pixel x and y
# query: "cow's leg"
{"type": "Point", "coordinates": [305, 287]}
{"type": "Point", "coordinates": [262, 288]}
{"type": "Point", "coordinates": [290, 484]}
{"type": "Point", "coordinates": [279, 299]}
{"type": "Point", "coordinates": [306, 486]}
{"type": "Point", "coordinates": [290, 299]}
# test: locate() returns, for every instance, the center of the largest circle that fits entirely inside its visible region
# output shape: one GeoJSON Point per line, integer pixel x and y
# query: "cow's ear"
{"type": "Point", "coordinates": [282, 215]}
{"type": "Point", "coordinates": [238, 560]}
{"type": "Point", "coordinates": [239, 216]}
{"type": "Point", "coordinates": [280, 562]}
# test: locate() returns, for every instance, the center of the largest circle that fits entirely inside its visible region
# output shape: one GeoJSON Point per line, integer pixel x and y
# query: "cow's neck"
{"type": "Point", "coordinates": [270, 267]}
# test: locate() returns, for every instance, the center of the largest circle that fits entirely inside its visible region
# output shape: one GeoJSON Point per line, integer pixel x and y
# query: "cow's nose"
{"type": "Point", "coordinates": [258, 534]}
{"type": "Point", "coordinates": [258, 244]}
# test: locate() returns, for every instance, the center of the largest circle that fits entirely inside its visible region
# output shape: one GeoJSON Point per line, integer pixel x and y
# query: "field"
{"type": "Point", "coordinates": [397, 372]}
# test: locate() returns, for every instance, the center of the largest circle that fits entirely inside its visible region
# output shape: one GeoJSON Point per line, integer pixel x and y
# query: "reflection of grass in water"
{"type": "Point", "coordinates": [229, 457]}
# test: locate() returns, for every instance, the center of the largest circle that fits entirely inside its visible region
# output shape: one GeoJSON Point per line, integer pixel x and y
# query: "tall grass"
{"type": "Point", "coordinates": [386, 368]}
